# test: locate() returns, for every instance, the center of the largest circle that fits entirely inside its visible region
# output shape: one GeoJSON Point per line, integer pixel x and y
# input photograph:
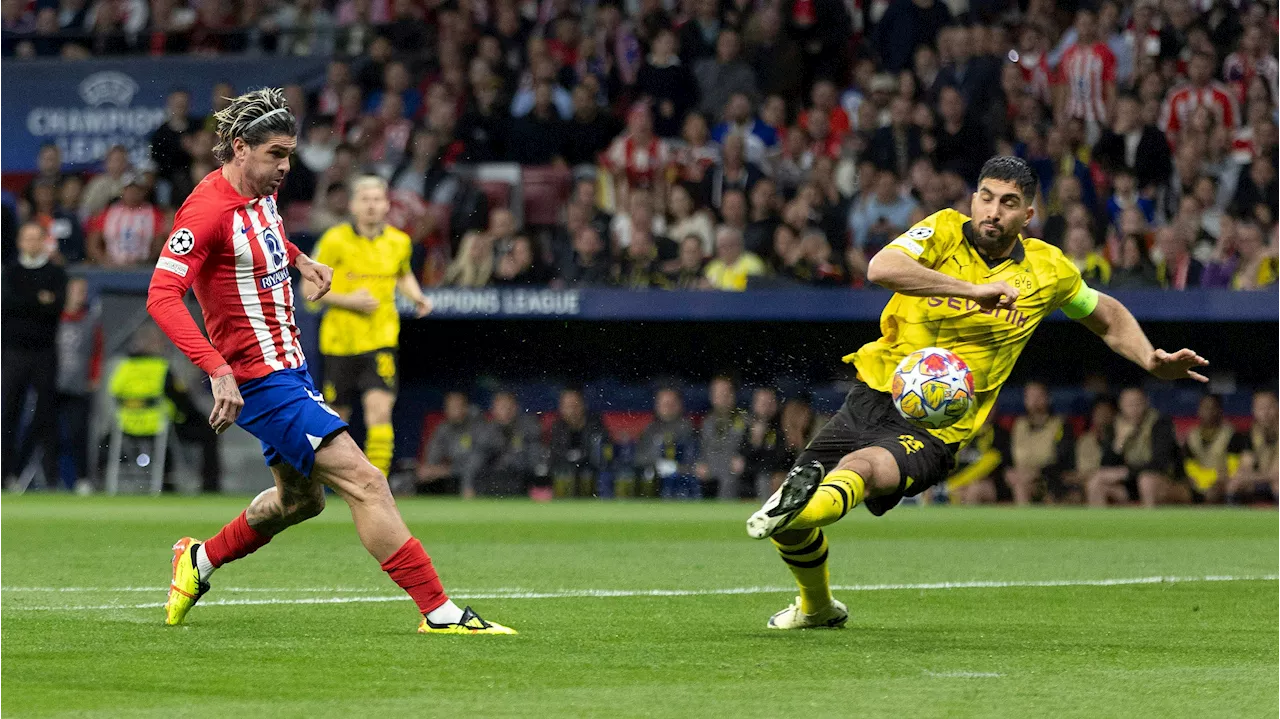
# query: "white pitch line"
{"type": "Point", "coordinates": [614, 593]}
{"type": "Point", "coordinates": [962, 675]}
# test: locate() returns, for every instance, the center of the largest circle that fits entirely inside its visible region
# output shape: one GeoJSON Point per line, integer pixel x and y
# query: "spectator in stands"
{"type": "Point", "coordinates": [538, 137]}
{"type": "Point", "coordinates": [1042, 451]}
{"type": "Point", "coordinates": [816, 256]}
{"type": "Point", "coordinates": [1211, 451]}
{"type": "Point", "coordinates": [34, 295]}
{"type": "Point", "coordinates": [763, 456]}
{"type": "Point", "coordinates": [643, 262]}
{"type": "Point", "coordinates": [638, 159]}
{"type": "Point", "coordinates": [332, 210]}
{"type": "Point", "coordinates": [695, 153]}
{"type": "Point", "coordinates": [1201, 90]}
{"type": "Point", "coordinates": [897, 145]}
{"type": "Point", "coordinates": [423, 171]}
{"type": "Point", "coordinates": [667, 83]}
{"type": "Point", "coordinates": [1175, 267]}
{"type": "Point", "coordinates": [1125, 195]}
{"type": "Point", "coordinates": [957, 143]}
{"type": "Point", "coordinates": [733, 172]}
{"type": "Point", "coordinates": [1139, 457]}
{"type": "Point", "coordinates": [105, 187]}
{"type": "Point", "coordinates": [762, 219]}
{"type": "Point", "coordinates": [688, 220]}
{"type": "Point", "coordinates": [698, 34]}
{"type": "Point", "coordinates": [542, 71]}
{"type": "Point", "coordinates": [1259, 470]}
{"type": "Point", "coordinates": [1079, 248]}
{"type": "Point", "coordinates": [579, 447]}
{"type": "Point", "coordinates": [589, 132]}
{"type": "Point", "coordinates": [723, 429]}
{"type": "Point", "coordinates": [976, 479]}
{"type": "Point", "coordinates": [1257, 194]}
{"type": "Point", "coordinates": [62, 226]}
{"type": "Point", "coordinates": [774, 56]}
{"type": "Point", "coordinates": [590, 266]}
{"type": "Point", "coordinates": [667, 449]}
{"type": "Point", "coordinates": [724, 75]}
{"type": "Point", "coordinates": [453, 453]}
{"type": "Point", "coordinates": [1132, 269]}
{"type": "Point", "coordinates": [521, 266]}
{"type": "Point", "coordinates": [690, 269]}
{"type": "Point", "coordinates": [1128, 142]}
{"type": "Point", "coordinates": [1091, 454]}
{"type": "Point", "coordinates": [973, 73]}
{"type": "Point", "coordinates": [473, 265]}
{"type": "Point", "coordinates": [1086, 77]}
{"type": "Point", "coordinates": [1256, 265]}
{"type": "Point", "coordinates": [799, 426]}
{"type": "Point", "coordinates": [167, 146]}
{"type": "Point", "coordinates": [881, 215]}
{"type": "Point", "coordinates": [510, 447]}
{"type": "Point", "coordinates": [48, 169]}
{"type": "Point", "coordinates": [904, 27]}
{"type": "Point", "coordinates": [129, 232]}
{"type": "Point", "coordinates": [732, 264]}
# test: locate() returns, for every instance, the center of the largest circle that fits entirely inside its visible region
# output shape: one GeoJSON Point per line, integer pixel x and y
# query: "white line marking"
{"type": "Point", "coordinates": [612, 593]}
{"type": "Point", "coordinates": [962, 675]}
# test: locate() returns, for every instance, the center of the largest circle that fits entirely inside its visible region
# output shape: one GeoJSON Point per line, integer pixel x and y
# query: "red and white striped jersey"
{"type": "Point", "coordinates": [1184, 101]}
{"type": "Point", "coordinates": [128, 233]}
{"type": "Point", "coordinates": [1086, 71]}
{"type": "Point", "coordinates": [1036, 75]}
{"type": "Point", "coordinates": [233, 250]}
{"type": "Point", "coordinates": [644, 163]}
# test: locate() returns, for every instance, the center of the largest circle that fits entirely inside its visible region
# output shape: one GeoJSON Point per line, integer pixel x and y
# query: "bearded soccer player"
{"type": "Point", "coordinates": [361, 327]}
{"type": "Point", "coordinates": [229, 243]}
{"type": "Point", "coordinates": [976, 287]}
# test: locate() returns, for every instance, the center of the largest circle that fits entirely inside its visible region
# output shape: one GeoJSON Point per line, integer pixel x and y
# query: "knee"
{"type": "Point", "coordinates": [369, 486]}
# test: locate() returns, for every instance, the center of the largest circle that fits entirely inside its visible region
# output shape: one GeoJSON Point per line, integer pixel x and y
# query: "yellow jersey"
{"type": "Point", "coordinates": [988, 341]}
{"type": "Point", "coordinates": [374, 264]}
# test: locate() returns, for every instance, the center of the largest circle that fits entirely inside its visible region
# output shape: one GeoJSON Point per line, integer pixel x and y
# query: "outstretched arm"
{"type": "Point", "coordinates": [1113, 322]}
{"type": "Point", "coordinates": [897, 271]}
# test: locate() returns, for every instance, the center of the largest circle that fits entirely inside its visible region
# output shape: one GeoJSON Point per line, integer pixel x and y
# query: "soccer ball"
{"type": "Point", "coordinates": [933, 388]}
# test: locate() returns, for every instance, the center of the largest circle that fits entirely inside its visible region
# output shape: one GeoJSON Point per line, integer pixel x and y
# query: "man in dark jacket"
{"type": "Point", "coordinates": [34, 293]}
{"type": "Point", "coordinates": [1128, 143]}
{"type": "Point", "coordinates": [579, 449]}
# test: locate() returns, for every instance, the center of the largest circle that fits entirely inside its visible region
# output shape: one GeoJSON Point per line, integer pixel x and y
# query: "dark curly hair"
{"type": "Point", "coordinates": [1011, 169]}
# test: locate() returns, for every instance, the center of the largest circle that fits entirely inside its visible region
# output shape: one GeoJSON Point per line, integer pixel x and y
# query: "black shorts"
{"type": "Point", "coordinates": [348, 377]}
{"type": "Point", "coordinates": [869, 419]}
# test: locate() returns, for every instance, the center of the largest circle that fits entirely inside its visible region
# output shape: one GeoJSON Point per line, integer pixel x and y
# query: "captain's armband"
{"type": "Point", "coordinates": [1082, 303]}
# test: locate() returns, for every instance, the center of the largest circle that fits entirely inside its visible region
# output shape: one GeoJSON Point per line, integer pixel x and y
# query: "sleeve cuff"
{"type": "Point", "coordinates": [222, 371]}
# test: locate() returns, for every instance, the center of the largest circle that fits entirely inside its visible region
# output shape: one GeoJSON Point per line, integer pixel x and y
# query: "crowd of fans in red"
{"type": "Point", "coordinates": [715, 143]}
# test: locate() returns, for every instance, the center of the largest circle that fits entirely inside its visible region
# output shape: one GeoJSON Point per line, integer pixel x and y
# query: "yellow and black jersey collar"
{"type": "Point", "coordinates": [1018, 254]}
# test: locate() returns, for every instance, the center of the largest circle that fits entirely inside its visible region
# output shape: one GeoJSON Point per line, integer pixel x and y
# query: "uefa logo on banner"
{"type": "Point", "coordinates": [108, 88]}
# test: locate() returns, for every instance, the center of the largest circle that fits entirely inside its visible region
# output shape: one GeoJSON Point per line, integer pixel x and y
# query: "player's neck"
{"type": "Point", "coordinates": [235, 177]}
{"type": "Point", "coordinates": [369, 231]}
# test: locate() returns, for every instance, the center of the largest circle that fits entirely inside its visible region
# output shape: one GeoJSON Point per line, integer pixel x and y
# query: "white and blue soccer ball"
{"type": "Point", "coordinates": [933, 388]}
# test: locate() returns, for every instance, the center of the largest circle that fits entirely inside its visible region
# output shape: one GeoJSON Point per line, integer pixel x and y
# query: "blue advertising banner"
{"type": "Point", "coordinates": [86, 107]}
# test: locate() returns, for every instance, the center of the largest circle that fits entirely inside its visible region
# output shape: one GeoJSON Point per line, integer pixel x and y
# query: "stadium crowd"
{"type": "Point", "coordinates": [1123, 451]}
{"type": "Point", "coordinates": [711, 143]}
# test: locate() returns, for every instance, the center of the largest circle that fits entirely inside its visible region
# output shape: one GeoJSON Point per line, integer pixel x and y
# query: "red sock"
{"type": "Point", "coordinates": [410, 567]}
{"type": "Point", "coordinates": [234, 541]}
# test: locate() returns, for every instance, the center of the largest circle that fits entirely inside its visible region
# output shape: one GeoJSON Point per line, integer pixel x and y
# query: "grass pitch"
{"type": "Point", "coordinates": [310, 627]}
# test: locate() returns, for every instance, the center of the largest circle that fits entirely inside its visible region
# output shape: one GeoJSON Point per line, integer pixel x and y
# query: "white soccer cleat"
{"type": "Point", "coordinates": [778, 510]}
{"type": "Point", "coordinates": [833, 617]}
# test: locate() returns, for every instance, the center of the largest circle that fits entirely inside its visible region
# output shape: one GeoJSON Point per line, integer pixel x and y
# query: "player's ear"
{"type": "Point", "coordinates": [1031, 212]}
{"type": "Point", "coordinates": [239, 148]}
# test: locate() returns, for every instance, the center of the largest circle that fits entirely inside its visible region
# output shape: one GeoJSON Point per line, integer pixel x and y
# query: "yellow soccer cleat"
{"type": "Point", "coordinates": [185, 589]}
{"type": "Point", "coordinates": [471, 623]}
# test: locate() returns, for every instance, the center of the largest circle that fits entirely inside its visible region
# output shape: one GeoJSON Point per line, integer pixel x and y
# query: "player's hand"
{"type": "Point", "coordinates": [995, 295]}
{"type": "Point", "coordinates": [422, 307]}
{"type": "Point", "coordinates": [1177, 365]}
{"type": "Point", "coordinates": [227, 403]}
{"type": "Point", "coordinates": [361, 301]}
{"type": "Point", "coordinates": [321, 276]}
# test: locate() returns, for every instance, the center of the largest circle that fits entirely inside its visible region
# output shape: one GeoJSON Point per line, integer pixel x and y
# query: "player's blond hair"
{"type": "Point", "coordinates": [365, 182]}
{"type": "Point", "coordinates": [253, 117]}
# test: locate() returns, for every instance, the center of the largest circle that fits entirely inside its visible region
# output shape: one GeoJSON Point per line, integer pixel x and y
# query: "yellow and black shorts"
{"type": "Point", "coordinates": [869, 419]}
{"type": "Point", "coordinates": [348, 377]}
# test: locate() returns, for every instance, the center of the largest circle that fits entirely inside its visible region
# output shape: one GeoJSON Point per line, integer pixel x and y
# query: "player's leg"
{"type": "Point", "coordinates": [294, 498]}
{"type": "Point", "coordinates": [1155, 488]}
{"type": "Point", "coordinates": [1106, 484]}
{"type": "Point", "coordinates": [379, 437]}
{"type": "Point", "coordinates": [340, 464]}
{"type": "Point", "coordinates": [1023, 484]}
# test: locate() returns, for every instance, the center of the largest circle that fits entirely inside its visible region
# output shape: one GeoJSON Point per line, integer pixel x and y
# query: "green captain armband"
{"type": "Point", "coordinates": [1081, 303]}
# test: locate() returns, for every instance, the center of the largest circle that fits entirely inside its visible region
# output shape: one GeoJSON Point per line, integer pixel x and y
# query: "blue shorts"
{"type": "Point", "coordinates": [288, 415]}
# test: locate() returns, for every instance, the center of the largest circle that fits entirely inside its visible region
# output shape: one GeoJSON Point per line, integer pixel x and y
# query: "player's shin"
{"type": "Point", "coordinates": [410, 567]}
{"type": "Point", "coordinates": [840, 491]}
{"type": "Point", "coordinates": [379, 446]}
{"type": "Point", "coordinates": [805, 552]}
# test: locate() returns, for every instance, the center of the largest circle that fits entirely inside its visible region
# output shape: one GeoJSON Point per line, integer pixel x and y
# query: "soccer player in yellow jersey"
{"type": "Point", "coordinates": [975, 287]}
{"type": "Point", "coordinates": [360, 330]}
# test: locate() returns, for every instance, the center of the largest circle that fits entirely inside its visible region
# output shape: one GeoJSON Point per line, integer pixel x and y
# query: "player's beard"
{"type": "Point", "coordinates": [999, 244]}
{"type": "Point", "coordinates": [268, 184]}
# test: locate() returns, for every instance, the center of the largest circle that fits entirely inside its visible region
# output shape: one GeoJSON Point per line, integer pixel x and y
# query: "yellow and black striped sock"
{"type": "Point", "coordinates": [840, 491]}
{"type": "Point", "coordinates": [379, 446]}
{"type": "Point", "coordinates": [807, 560]}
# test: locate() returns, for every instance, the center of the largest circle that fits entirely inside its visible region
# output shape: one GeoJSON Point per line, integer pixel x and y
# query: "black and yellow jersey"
{"type": "Point", "coordinates": [374, 264]}
{"type": "Point", "coordinates": [988, 341]}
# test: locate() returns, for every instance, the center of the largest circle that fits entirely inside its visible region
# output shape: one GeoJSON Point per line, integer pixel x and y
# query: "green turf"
{"type": "Point", "coordinates": [1188, 649]}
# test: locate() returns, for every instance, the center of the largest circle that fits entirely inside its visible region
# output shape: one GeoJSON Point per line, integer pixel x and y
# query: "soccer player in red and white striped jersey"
{"type": "Point", "coordinates": [229, 243]}
{"type": "Point", "coordinates": [1086, 75]}
{"type": "Point", "coordinates": [1201, 90]}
